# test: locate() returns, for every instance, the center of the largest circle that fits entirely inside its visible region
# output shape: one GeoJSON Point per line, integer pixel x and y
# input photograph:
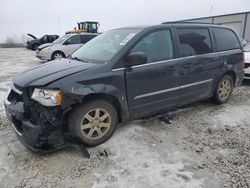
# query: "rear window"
{"type": "Point", "coordinates": [194, 42]}
{"type": "Point", "coordinates": [225, 39]}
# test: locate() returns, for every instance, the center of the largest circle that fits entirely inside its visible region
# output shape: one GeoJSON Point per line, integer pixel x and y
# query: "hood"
{"type": "Point", "coordinates": [49, 72]}
{"type": "Point", "coordinates": [44, 46]}
{"type": "Point", "coordinates": [32, 36]}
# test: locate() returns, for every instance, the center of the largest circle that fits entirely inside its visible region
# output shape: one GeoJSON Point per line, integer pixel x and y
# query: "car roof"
{"type": "Point", "coordinates": [73, 34]}
{"type": "Point", "coordinates": [177, 24]}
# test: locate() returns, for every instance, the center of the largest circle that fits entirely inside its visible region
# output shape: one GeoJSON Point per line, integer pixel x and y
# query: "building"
{"type": "Point", "coordinates": [239, 21]}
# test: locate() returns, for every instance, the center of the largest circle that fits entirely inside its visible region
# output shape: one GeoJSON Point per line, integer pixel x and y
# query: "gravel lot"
{"type": "Point", "coordinates": [206, 146]}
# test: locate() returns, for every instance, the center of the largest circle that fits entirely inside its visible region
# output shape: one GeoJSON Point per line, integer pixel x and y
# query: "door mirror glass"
{"type": "Point", "coordinates": [136, 58]}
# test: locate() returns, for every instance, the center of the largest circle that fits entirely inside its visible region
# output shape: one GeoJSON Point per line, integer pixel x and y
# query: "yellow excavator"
{"type": "Point", "coordinates": [86, 27]}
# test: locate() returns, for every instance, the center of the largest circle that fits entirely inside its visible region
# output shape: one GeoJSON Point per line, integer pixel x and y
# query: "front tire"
{"type": "Point", "coordinates": [93, 122]}
{"type": "Point", "coordinates": [223, 90]}
{"type": "Point", "coordinates": [57, 55]}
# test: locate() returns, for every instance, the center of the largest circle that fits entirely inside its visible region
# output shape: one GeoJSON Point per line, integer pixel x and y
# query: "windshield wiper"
{"type": "Point", "coordinates": [76, 58]}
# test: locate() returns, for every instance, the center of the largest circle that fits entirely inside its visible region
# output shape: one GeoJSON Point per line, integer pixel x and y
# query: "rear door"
{"type": "Point", "coordinates": [198, 63]}
{"type": "Point", "coordinates": [153, 86]}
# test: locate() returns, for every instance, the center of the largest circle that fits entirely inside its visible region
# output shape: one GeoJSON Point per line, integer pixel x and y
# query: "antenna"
{"type": "Point", "coordinates": [59, 27]}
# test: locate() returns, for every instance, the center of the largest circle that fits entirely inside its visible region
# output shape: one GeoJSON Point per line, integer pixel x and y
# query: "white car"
{"type": "Point", "coordinates": [246, 49]}
{"type": "Point", "coordinates": [63, 46]}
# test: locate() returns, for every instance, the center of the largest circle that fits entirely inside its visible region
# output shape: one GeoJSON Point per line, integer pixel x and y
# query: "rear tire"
{"type": "Point", "coordinates": [223, 90]}
{"type": "Point", "coordinates": [93, 122]}
{"type": "Point", "coordinates": [57, 55]}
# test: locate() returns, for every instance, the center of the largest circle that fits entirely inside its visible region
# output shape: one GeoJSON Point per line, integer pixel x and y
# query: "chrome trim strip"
{"type": "Point", "coordinates": [20, 134]}
{"type": "Point", "coordinates": [16, 90]}
{"type": "Point", "coordinates": [155, 63]}
{"type": "Point", "coordinates": [180, 58]}
{"type": "Point", "coordinates": [195, 83]}
{"type": "Point", "coordinates": [6, 101]}
{"type": "Point", "coordinates": [171, 89]}
{"type": "Point", "coordinates": [118, 69]}
{"type": "Point", "coordinates": [156, 93]}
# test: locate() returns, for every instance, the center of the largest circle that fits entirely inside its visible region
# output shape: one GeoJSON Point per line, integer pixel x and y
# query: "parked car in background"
{"type": "Point", "coordinates": [246, 49]}
{"type": "Point", "coordinates": [63, 46]}
{"type": "Point", "coordinates": [33, 44]}
{"type": "Point", "coordinates": [120, 75]}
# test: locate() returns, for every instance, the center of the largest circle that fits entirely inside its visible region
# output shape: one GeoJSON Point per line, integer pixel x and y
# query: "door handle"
{"type": "Point", "coordinates": [172, 68]}
{"type": "Point", "coordinates": [187, 65]}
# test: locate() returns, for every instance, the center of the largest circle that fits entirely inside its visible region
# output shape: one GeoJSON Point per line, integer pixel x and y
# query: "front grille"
{"type": "Point", "coordinates": [15, 96]}
{"type": "Point", "coordinates": [17, 124]}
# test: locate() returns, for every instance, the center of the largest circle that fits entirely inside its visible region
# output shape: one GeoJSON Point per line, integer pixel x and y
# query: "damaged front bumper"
{"type": "Point", "coordinates": [38, 128]}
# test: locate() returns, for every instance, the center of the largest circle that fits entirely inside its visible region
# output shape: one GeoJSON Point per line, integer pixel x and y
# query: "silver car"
{"type": "Point", "coordinates": [63, 46]}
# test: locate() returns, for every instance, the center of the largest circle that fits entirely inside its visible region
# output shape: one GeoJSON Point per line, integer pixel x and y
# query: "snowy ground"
{"type": "Point", "coordinates": [205, 146]}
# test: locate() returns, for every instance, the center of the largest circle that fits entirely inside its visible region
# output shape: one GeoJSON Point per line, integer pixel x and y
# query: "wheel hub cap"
{"type": "Point", "coordinates": [95, 123]}
{"type": "Point", "coordinates": [224, 89]}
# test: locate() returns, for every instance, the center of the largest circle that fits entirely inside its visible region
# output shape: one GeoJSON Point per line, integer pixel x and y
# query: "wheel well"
{"type": "Point", "coordinates": [109, 98]}
{"type": "Point", "coordinates": [57, 52]}
{"type": "Point", "coordinates": [232, 74]}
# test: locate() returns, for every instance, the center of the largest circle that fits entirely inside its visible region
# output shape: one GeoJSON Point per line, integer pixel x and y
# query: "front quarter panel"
{"type": "Point", "coordinates": [76, 87]}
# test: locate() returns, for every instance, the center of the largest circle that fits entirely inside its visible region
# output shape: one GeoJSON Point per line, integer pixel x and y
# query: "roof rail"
{"type": "Point", "coordinates": [188, 22]}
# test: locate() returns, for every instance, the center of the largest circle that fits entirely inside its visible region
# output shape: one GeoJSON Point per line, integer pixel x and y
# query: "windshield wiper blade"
{"type": "Point", "coordinates": [76, 58]}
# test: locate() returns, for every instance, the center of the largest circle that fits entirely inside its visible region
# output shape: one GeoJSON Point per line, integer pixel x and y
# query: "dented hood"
{"type": "Point", "coordinates": [49, 72]}
{"type": "Point", "coordinates": [32, 36]}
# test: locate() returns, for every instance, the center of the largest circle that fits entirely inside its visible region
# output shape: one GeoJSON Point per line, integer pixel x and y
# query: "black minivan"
{"type": "Point", "coordinates": [120, 75]}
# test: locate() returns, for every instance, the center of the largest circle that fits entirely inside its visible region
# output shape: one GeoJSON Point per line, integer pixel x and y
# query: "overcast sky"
{"type": "Point", "coordinates": [44, 16]}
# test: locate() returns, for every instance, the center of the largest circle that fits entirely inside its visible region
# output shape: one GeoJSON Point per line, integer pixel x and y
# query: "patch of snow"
{"type": "Point", "coordinates": [137, 165]}
{"type": "Point", "coordinates": [229, 116]}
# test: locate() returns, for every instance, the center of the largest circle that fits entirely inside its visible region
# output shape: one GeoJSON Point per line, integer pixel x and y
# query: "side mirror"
{"type": "Point", "coordinates": [136, 58]}
{"type": "Point", "coordinates": [66, 43]}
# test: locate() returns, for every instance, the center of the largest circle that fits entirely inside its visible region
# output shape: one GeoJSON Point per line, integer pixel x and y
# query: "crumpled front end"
{"type": "Point", "coordinates": [39, 128]}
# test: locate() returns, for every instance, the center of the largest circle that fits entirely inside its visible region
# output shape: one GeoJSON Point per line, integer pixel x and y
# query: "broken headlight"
{"type": "Point", "coordinates": [47, 97]}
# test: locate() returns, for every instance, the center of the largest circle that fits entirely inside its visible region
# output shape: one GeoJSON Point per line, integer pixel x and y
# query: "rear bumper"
{"type": "Point", "coordinates": [239, 78]}
{"type": "Point", "coordinates": [247, 73]}
{"type": "Point", "coordinates": [40, 138]}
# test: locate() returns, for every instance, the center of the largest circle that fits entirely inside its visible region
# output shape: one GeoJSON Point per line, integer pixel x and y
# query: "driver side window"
{"type": "Point", "coordinates": [74, 40]}
{"type": "Point", "coordinates": [158, 46]}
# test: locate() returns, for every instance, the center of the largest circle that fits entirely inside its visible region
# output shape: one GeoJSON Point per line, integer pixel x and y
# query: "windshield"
{"type": "Point", "coordinates": [61, 39]}
{"type": "Point", "coordinates": [105, 46]}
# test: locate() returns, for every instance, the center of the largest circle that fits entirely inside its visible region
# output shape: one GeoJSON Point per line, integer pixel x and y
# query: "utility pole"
{"type": "Point", "coordinates": [59, 27]}
{"type": "Point", "coordinates": [211, 9]}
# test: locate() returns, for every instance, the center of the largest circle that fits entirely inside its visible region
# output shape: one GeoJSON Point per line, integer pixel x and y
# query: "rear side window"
{"type": "Point", "coordinates": [225, 39]}
{"type": "Point", "coordinates": [86, 38]}
{"type": "Point", "coordinates": [74, 40]}
{"type": "Point", "coordinates": [157, 46]}
{"type": "Point", "coordinates": [194, 42]}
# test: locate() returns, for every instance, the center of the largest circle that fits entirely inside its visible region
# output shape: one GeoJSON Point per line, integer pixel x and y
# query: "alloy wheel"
{"type": "Point", "coordinates": [95, 123]}
{"type": "Point", "coordinates": [224, 89]}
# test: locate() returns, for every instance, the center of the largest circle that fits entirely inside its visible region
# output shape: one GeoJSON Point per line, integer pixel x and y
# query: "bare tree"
{"type": "Point", "coordinates": [14, 41]}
